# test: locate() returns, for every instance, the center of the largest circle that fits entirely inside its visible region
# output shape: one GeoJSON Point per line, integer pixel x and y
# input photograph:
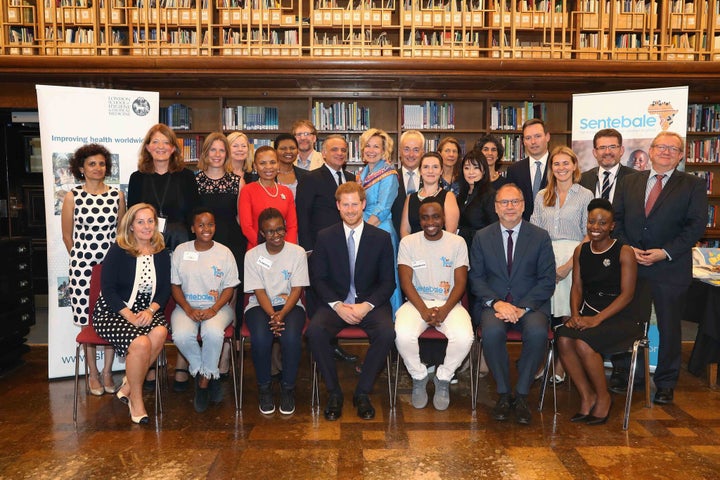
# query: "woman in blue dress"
{"type": "Point", "coordinates": [380, 181]}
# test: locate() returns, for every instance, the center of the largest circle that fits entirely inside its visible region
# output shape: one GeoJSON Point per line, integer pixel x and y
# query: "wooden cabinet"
{"type": "Point", "coordinates": [18, 27]}
{"type": "Point", "coordinates": [17, 305]}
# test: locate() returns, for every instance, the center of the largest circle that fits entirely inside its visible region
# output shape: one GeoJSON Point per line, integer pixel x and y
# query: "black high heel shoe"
{"type": "Point", "coordinates": [593, 420]}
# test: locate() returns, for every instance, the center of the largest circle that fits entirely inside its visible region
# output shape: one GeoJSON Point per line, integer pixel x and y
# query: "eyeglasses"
{"type": "Point", "coordinates": [303, 134]}
{"type": "Point", "coordinates": [278, 231]}
{"type": "Point", "coordinates": [666, 148]}
{"type": "Point", "coordinates": [609, 148]}
{"type": "Point", "coordinates": [514, 202]}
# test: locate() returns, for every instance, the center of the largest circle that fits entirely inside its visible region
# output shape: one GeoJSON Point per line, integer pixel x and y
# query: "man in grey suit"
{"type": "Point", "coordinates": [661, 213]}
{"type": "Point", "coordinates": [608, 151]}
{"type": "Point", "coordinates": [512, 276]}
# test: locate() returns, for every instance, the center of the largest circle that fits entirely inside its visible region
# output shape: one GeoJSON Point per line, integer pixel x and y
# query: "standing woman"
{"type": "Point", "coordinates": [561, 209]}
{"type": "Point", "coordinates": [602, 321]}
{"type": "Point", "coordinates": [265, 193]}
{"type": "Point", "coordinates": [380, 181]}
{"type": "Point", "coordinates": [276, 273]}
{"type": "Point", "coordinates": [90, 215]}
{"type": "Point", "coordinates": [163, 181]}
{"type": "Point", "coordinates": [289, 174]}
{"type": "Point", "coordinates": [431, 168]}
{"type": "Point", "coordinates": [129, 313]}
{"type": "Point", "coordinates": [450, 151]}
{"type": "Point", "coordinates": [240, 156]}
{"type": "Point", "coordinates": [494, 151]}
{"type": "Point", "coordinates": [477, 196]}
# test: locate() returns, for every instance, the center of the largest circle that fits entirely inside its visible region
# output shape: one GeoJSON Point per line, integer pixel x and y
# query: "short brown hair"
{"type": "Point", "coordinates": [607, 132]}
{"type": "Point", "coordinates": [534, 121]}
{"type": "Point", "coordinates": [303, 123]}
{"type": "Point", "coordinates": [348, 188]}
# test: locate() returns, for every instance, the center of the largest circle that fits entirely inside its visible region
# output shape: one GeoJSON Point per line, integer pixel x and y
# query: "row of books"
{"type": "Point", "coordinates": [512, 117]}
{"type": "Point", "coordinates": [190, 147]}
{"type": "Point", "coordinates": [703, 118]}
{"type": "Point", "coordinates": [707, 176]}
{"type": "Point", "coordinates": [430, 115]}
{"type": "Point", "coordinates": [341, 116]}
{"type": "Point", "coordinates": [706, 150]}
{"type": "Point", "coordinates": [250, 118]}
{"type": "Point", "coordinates": [514, 147]}
{"type": "Point", "coordinates": [21, 35]}
{"type": "Point", "coordinates": [355, 4]}
{"type": "Point", "coordinates": [431, 144]}
{"type": "Point", "coordinates": [712, 216]}
{"type": "Point", "coordinates": [177, 116]}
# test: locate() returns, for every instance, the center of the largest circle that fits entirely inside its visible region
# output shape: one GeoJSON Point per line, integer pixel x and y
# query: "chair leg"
{"type": "Point", "coordinates": [77, 381]}
{"type": "Point", "coordinates": [545, 377]}
{"type": "Point", "coordinates": [315, 388]}
{"type": "Point", "coordinates": [388, 362]}
{"type": "Point", "coordinates": [242, 368]}
{"type": "Point", "coordinates": [631, 384]}
{"type": "Point", "coordinates": [477, 374]}
{"type": "Point", "coordinates": [229, 342]}
{"type": "Point", "coordinates": [472, 377]}
{"type": "Point", "coordinates": [158, 390]}
{"type": "Point", "coordinates": [646, 351]}
{"type": "Point", "coordinates": [397, 374]}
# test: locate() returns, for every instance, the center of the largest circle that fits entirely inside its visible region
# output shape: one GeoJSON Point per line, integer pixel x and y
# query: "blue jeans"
{"type": "Point", "coordinates": [261, 340]}
{"type": "Point", "coordinates": [203, 360]}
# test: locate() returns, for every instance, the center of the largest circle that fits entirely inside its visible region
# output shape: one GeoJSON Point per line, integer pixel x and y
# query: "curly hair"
{"type": "Point", "coordinates": [77, 161]}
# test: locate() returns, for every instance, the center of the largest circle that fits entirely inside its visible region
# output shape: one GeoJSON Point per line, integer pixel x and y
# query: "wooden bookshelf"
{"type": "Point", "coordinates": [633, 30]}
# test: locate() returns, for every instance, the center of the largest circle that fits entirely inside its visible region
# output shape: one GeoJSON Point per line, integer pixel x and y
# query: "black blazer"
{"type": "Point", "coordinates": [589, 179]}
{"type": "Point", "coordinates": [315, 203]}
{"type": "Point", "coordinates": [675, 223]}
{"type": "Point", "coordinates": [374, 266]}
{"type": "Point", "coordinates": [399, 203]}
{"type": "Point", "coordinates": [519, 174]}
{"type": "Point", "coordinates": [476, 214]}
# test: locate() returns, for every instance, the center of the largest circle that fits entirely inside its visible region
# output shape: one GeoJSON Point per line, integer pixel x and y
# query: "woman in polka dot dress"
{"type": "Point", "coordinates": [135, 288]}
{"type": "Point", "coordinates": [90, 215]}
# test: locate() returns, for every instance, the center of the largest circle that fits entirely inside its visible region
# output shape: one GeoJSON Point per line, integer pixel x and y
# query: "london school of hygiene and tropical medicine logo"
{"type": "Point", "coordinates": [141, 107]}
{"type": "Point", "coordinates": [664, 111]}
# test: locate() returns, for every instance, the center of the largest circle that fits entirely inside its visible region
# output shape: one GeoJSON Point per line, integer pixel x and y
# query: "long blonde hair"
{"type": "Point", "coordinates": [248, 167]}
{"type": "Point", "coordinates": [126, 239]}
{"type": "Point", "coordinates": [207, 144]}
{"type": "Point", "coordinates": [550, 197]}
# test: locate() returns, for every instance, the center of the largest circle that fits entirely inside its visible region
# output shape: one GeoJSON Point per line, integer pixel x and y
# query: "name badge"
{"type": "Point", "coordinates": [191, 256]}
{"type": "Point", "coordinates": [162, 221]}
{"type": "Point", "coordinates": [264, 262]}
{"type": "Point", "coordinates": [417, 264]}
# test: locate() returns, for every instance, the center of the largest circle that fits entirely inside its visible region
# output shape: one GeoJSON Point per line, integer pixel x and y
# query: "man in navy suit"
{"type": "Point", "coordinates": [661, 213]}
{"type": "Point", "coordinates": [604, 179]}
{"type": "Point", "coordinates": [412, 148]}
{"type": "Point", "coordinates": [315, 202]}
{"type": "Point", "coordinates": [317, 209]}
{"type": "Point", "coordinates": [530, 173]}
{"type": "Point", "coordinates": [361, 299]}
{"type": "Point", "coordinates": [512, 276]}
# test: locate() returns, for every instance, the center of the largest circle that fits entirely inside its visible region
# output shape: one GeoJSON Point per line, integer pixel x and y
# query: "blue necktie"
{"type": "Point", "coordinates": [411, 188]}
{"type": "Point", "coordinates": [606, 186]}
{"type": "Point", "coordinates": [351, 254]}
{"type": "Point", "coordinates": [537, 180]}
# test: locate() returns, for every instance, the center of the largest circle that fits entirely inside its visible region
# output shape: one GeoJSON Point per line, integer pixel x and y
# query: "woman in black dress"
{"type": "Point", "coordinates": [477, 196]}
{"type": "Point", "coordinates": [129, 313]}
{"type": "Point", "coordinates": [602, 321]}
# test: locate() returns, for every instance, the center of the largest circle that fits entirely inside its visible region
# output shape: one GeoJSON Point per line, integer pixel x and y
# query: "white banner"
{"type": "Point", "coordinates": [69, 118]}
{"type": "Point", "coordinates": [639, 115]}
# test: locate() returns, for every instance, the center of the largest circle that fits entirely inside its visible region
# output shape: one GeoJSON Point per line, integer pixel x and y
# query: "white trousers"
{"type": "Point", "coordinates": [457, 327]}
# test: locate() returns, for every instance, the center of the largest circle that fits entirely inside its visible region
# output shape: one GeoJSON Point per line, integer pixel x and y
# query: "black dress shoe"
{"type": "Point", "coordinates": [341, 354]}
{"type": "Point", "coordinates": [580, 417]}
{"type": "Point", "coordinates": [663, 396]}
{"type": "Point", "coordinates": [522, 411]}
{"type": "Point", "coordinates": [593, 420]}
{"type": "Point", "coordinates": [501, 411]}
{"type": "Point", "coordinates": [333, 411]}
{"type": "Point", "coordinates": [365, 410]}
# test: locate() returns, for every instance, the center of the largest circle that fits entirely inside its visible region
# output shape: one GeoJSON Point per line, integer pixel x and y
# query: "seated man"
{"type": "Point", "coordinates": [512, 275]}
{"type": "Point", "coordinates": [352, 272]}
{"type": "Point", "coordinates": [432, 266]}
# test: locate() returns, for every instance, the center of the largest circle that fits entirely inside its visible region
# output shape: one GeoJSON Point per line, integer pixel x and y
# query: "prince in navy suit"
{"type": "Point", "coordinates": [512, 277]}
{"type": "Point", "coordinates": [361, 300]}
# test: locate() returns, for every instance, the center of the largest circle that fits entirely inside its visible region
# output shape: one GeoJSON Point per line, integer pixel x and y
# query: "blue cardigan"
{"type": "Point", "coordinates": [118, 276]}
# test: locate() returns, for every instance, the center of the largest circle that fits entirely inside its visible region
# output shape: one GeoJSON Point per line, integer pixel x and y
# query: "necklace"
{"type": "Point", "coordinates": [277, 189]}
{"type": "Point", "coordinates": [425, 195]}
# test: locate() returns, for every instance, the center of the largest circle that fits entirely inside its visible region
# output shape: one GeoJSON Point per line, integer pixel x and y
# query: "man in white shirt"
{"type": "Point", "coordinates": [608, 150]}
{"type": "Point", "coordinates": [412, 148]}
{"type": "Point", "coordinates": [530, 173]}
{"type": "Point", "coordinates": [306, 135]}
{"type": "Point", "coordinates": [433, 267]}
